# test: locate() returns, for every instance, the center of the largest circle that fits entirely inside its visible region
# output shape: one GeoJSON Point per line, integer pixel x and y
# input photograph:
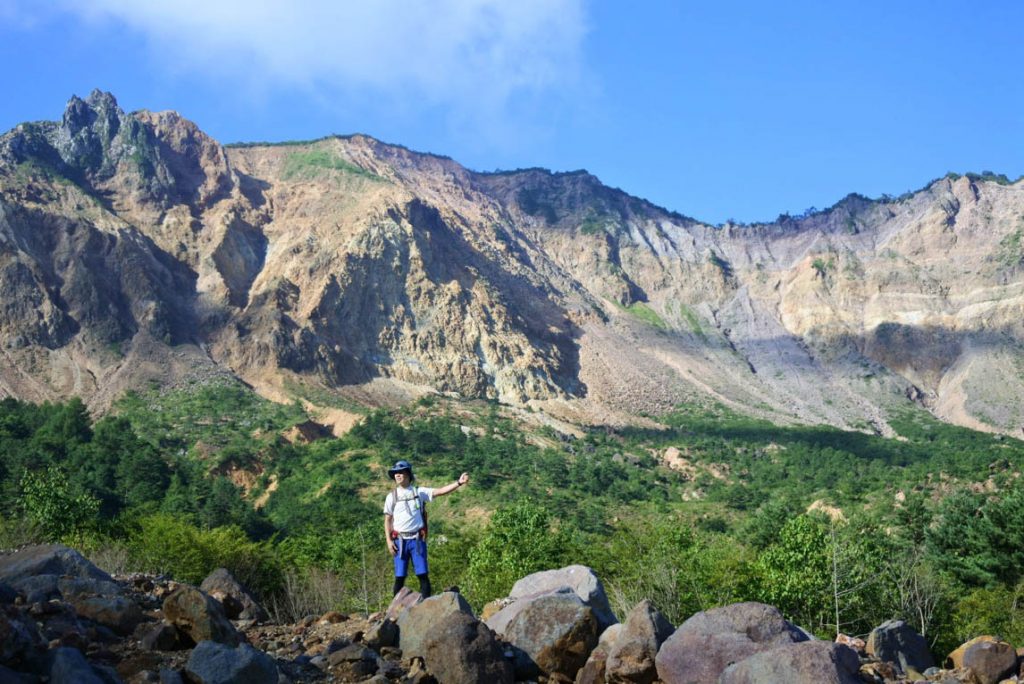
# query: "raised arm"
{"type": "Point", "coordinates": [449, 488]}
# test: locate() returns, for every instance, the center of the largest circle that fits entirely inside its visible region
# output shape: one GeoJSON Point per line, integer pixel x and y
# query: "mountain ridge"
{"type": "Point", "coordinates": [365, 268]}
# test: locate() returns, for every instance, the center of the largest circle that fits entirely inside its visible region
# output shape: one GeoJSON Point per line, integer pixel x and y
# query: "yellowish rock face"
{"type": "Point", "coordinates": [134, 248]}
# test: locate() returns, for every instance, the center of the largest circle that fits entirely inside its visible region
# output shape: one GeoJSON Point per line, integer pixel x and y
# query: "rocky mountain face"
{"type": "Point", "coordinates": [135, 249]}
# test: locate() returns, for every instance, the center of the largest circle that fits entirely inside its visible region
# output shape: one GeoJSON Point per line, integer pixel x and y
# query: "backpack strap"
{"type": "Point", "coordinates": [423, 510]}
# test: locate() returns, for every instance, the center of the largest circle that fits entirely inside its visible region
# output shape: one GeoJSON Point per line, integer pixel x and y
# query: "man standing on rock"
{"type": "Point", "coordinates": [405, 523]}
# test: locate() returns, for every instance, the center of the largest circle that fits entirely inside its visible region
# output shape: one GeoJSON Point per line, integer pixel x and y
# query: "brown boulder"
{"type": "Point", "coordinates": [708, 642]}
{"type": "Point", "coordinates": [631, 658]}
{"type": "Point", "coordinates": [165, 637]}
{"type": "Point", "coordinates": [462, 650]}
{"type": "Point", "coordinates": [353, 663]}
{"type": "Point", "coordinates": [382, 634]}
{"type": "Point", "coordinates": [120, 614]}
{"type": "Point", "coordinates": [989, 659]}
{"type": "Point", "coordinates": [553, 635]}
{"type": "Point", "coordinates": [809, 662]}
{"type": "Point", "coordinates": [594, 670]}
{"type": "Point", "coordinates": [417, 622]}
{"type": "Point", "coordinates": [200, 616]}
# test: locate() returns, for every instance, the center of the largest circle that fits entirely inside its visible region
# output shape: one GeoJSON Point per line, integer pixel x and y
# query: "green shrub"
{"type": "Point", "coordinates": [61, 511]}
{"type": "Point", "coordinates": [169, 545]}
{"type": "Point", "coordinates": [517, 542]}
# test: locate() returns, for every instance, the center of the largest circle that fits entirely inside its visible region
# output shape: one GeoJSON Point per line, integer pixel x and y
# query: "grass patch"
{"type": "Point", "coordinates": [645, 313]}
{"type": "Point", "coordinates": [323, 397]}
{"type": "Point", "coordinates": [691, 319]}
{"type": "Point", "coordinates": [312, 163]}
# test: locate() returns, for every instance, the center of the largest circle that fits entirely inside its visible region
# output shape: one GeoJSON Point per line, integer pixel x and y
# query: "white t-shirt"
{"type": "Point", "coordinates": [407, 513]}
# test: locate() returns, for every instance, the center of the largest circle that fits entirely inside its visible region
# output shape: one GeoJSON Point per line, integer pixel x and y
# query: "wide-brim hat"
{"type": "Point", "coordinates": [399, 467]}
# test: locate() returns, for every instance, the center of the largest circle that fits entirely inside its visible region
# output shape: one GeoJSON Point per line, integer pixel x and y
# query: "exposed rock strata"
{"type": "Point", "coordinates": [135, 248]}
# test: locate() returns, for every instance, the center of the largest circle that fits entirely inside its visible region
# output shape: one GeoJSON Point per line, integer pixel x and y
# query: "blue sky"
{"type": "Point", "coordinates": [739, 110]}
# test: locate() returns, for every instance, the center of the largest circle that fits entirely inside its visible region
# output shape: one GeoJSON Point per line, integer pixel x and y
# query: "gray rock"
{"type": "Point", "coordinates": [38, 589]}
{"type": "Point", "coordinates": [500, 621]}
{"type": "Point", "coordinates": [8, 594]}
{"type": "Point", "coordinates": [708, 642]}
{"type": "Point", "coordinates": [47, 559]}
{"type": "Point", "coordinates": [553, 635]}
{"type": "Point", "coordinates": [896, 642]}
{"type": "Point", "coordinates": [20, 640]}
{"type": "Point", "coordinates": [9, 676]}
{"type": "Point", "coordinates": [631, 657]}
{"type": "Point", "coordinates": [808, 662]}
{"type": "Point", "coordinates": [221, 582]}
{"type": "Point", "coordinates": [583, 582]}
{"type": "Point", "coordinates": [75, 587]}
{"type": "Point", "coordinates": [69, 666]}
{"type": "Point", "coordinates": [216, 663]}
{"type": "Point", "coordinates": [168, 676]}
{"type": "Point", "coordinates": [462, 650]}
{"type": "Point", "coordinates": [417, 622]}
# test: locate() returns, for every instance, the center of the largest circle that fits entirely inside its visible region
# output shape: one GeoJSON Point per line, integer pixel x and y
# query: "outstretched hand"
{"type": "Point", "coordinates": [463, 479]}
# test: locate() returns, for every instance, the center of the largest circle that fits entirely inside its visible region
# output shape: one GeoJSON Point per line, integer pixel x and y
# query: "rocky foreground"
{"type": "Point", "coordinates": [62, 619]}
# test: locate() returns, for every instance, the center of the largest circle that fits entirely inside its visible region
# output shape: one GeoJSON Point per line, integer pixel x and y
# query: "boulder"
{"type": "Point", "coordinates": [20, 641]}
{"type": "Point", "coordinates": [594, 670]}
{"type": "Point", "coordinates": [199, 616]}
{"type": "Point", "coordinates": [120, 614]}
{"type": "Point", "coordinates": [69, 666]}
{"type": "Point", "coordinates": [217, 663]}
{"type": "Point", "coordinates": [47, 559]}
{"type": "Point", "coordinates": [416, 623]}
{"type": "Point", "coordinates": [353, 663]}
{"type": "Point", "coordinates": [165, 637]}
{"type": "Point", "coordinates": [382, 634]}
{"type": "Point", "coordinates": [988, 658]}
{"type": "Point", "coordinates": [462, 650]}
{"type": "Point", "coordinates": [808, 662]}
{"type": "Point", "coordinates": [708, 642]}
{"type": "Point", "coordinates": [8, 594]}
{"type": "Point", "coordinates": [405, 598]}
{"type": "Point", "coordinates": [583, 582]}
{"type": "Point", "coordinates": [9, 676]}
{"type": "Point", "coordinates": [896, 642]}
{"type": "Point", "coordinates": [631, 657]}
{"type": "Point", "coordinates": [220, 582]}
{"type": "Point", "coordinates": [79, 587]}
{"type": "Point", "coordinates": [553, 635]}
{"type": "Point", "coordinates": [42, 588]}
{"type": "Point", "coordinates": [856, 643]}
{"type": "Point", "coordinates": [169, 676]}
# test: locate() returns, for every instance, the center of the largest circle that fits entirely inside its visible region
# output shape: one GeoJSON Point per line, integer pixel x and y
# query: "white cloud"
{"type": "Point", "coordinates": [476, 58]}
